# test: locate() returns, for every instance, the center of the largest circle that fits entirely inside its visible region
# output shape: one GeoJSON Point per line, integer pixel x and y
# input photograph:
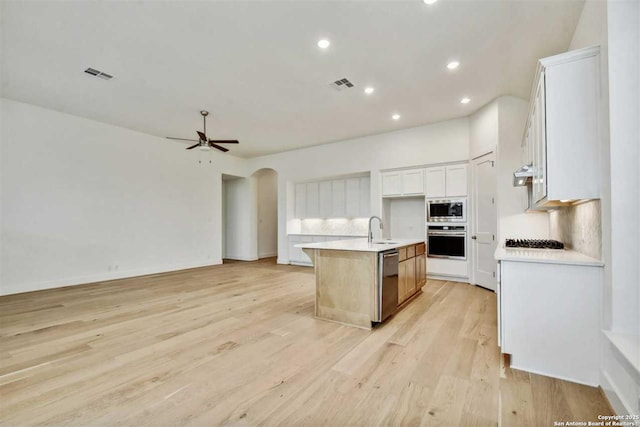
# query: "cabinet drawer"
{"type": "Point", "coordinates": [403, 254]}
{"type": "Point", "coordinates": [411, 251]}
{"type": "Point", "coordinates": [420, 249]}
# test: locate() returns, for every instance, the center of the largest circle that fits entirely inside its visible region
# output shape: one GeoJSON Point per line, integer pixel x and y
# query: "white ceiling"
{"type": "Point", "coordinates": [256, 67]}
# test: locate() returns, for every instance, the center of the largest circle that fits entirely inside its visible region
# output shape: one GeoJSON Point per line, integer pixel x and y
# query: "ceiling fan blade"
{"type": "Point", "coordinates": [202, 136]}
{"type": "Point", "coordinates": [224, 141]}
{"type": "Point", "coordinates": [224, 150]}
{"type": "Point", "coordinates": [193, 146]}
{"type": "Point", "coordinates": [181, 139]}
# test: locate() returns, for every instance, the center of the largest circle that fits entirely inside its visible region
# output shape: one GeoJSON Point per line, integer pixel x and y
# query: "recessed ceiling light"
{"type": "Point", "coordinates": [323, 43]}
{"type": "Point", "coordinates": [429, 1]}
{"type": "Point", "coordinates": [465, 100]}
{"type": "Point", "coordinates": [396, 117]}
{"type": "Point", "coordinates": [453, 65]}
{"type": "Point", "coordinates": [369, 90]}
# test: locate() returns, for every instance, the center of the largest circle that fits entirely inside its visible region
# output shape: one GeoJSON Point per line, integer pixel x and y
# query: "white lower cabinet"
{"type": "Point", "coordinates": [549, 319]}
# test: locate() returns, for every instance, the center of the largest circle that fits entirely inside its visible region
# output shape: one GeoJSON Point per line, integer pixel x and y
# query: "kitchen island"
{"type": "Point", "coordinates": [349, 278]}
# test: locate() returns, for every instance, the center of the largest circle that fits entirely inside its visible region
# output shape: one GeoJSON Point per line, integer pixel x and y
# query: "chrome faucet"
{"type": "Point", "coordinates": [370, 235]}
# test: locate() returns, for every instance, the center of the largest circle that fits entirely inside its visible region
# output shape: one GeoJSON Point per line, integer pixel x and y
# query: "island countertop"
{"type": "Point", "coordinates": [360, 245]}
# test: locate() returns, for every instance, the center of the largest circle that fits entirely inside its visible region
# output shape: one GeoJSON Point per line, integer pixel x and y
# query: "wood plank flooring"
{"type": "Point", "coordinates": [237, 344]}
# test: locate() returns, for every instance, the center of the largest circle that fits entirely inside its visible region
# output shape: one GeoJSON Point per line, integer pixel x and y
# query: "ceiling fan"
{"type": "Point", "coordinates": [203, 142]}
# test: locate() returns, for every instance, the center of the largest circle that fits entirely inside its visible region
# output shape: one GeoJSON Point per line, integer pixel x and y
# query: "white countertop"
{"type": "Point", "coordinates": [360, 245]}
{"type": "Point", "coordinates": [548, 256]}
{"type": "Point", "coordinates": [326, 235]}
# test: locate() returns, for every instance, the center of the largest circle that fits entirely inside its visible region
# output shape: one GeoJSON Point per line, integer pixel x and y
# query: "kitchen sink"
{"type": "Point", "coordinates": [384, 242]}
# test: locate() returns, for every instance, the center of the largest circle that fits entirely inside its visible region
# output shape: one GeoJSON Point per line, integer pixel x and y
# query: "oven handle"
{"type": "Point", "coordinates": [441, 233]}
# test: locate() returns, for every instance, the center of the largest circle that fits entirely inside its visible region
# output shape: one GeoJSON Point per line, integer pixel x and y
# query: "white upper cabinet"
{"type": "Point", "coordinates": [313, 200]}
{"type": "Point", "coordinates": [391, 184]}
{"type": "Point", "coordinates": [456, 181]}
{"type": "Point", "coordinates": [435, 178]}
{"type": "Point", "coordinates": [446, 181]}
{"type": "Point", "coordinates": [338, 198]}
{"type": "Point", "coordinates": [301, 201]}
{"type": "Point", "coordinates": [365, 197]}
{"type": "Point", "coordinates": [413, 182]}
{"type": "Point", "coordinates": [339, 203]}
{"type": "Point", "coordinates": [352, 196]}
{"type": "Point", "coordinates": [326, 194]}
{"type": "Point", "coordinates": [403, 183]}
{"type": "Point", "coordinates": [562, 129]}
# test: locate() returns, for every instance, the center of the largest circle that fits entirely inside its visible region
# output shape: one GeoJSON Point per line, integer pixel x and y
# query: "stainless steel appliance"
{"type": "Point", "coordinates": [447, 241]}
{"type": "Point", "coordinates": [387, 283]}
{"type": "Point", "coordinates": [533, 244]}
{"type": "Point", "coordinates": [450, 210]}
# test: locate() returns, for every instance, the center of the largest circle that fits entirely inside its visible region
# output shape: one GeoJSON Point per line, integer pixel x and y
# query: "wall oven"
{"type": "Point", "coordinates": [447, 241]}
{"type": "Point", "coordinates": [452, 210]}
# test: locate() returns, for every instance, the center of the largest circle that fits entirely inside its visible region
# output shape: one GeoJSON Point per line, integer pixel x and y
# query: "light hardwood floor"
{"type": "Point", "coordinates": [237, 344]}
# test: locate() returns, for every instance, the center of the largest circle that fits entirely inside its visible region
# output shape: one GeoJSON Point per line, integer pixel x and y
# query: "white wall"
{"type": "Point", "coordinates": [405, 218]}
{"type": "Point", "coordinates": [267, 213]}
{"type": "Point", "coordinates": [483, 130]}
{"type": "Point", "coordinates": [437, 143]}
{"type": "Point", "coordinates": [623, 307]}
{"type": "Point", "coordinates": [84, 201]}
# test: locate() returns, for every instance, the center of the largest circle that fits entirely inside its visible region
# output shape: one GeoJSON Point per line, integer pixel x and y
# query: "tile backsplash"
{"type": "Point", "coordinates": [578, 227]}
{"type": "Point", "coordinates": [333, 226]}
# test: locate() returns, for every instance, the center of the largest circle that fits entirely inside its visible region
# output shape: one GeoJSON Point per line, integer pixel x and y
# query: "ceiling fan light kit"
{"type": "Point", "coordinates": [204, 143]}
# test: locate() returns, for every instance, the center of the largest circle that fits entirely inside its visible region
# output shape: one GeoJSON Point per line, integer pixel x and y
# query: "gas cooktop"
{"type": "Point", "coordinates": [533, 244]}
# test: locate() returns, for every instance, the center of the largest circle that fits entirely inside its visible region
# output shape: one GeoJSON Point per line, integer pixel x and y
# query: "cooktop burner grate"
{"type": "Point", "coordinates": [534, 244]}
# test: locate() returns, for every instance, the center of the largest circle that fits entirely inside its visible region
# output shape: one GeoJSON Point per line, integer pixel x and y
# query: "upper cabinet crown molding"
{"type": "Point", "coordinates": [561, 136]}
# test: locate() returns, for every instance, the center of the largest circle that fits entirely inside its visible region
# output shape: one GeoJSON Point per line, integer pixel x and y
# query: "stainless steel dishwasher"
{"type": "Point", "coordinates": [387, 283]}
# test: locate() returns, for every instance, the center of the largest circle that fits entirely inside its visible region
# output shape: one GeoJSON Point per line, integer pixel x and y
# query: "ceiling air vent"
{"type": "Point", "coordinates": [97, 73]}
{"type": "Point", "coordinates": [342, 84]}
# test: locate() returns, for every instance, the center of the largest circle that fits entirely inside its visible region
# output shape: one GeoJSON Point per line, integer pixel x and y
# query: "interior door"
{"type": "Point", "coordinates": [486, 221]}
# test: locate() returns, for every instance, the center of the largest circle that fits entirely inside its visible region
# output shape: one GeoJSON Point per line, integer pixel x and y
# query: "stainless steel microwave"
{"type": "Point", "coordinates": [450, 210]}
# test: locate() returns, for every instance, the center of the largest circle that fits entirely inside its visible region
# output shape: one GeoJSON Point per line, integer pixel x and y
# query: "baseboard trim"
{"type": "Point", "coordinates": [240, 258]}
{"type": "Point", "coordinates": [104, 277]}
{"type": "Point", "coordinates": [268, 255]}
{"type": "Point", "coordinates": [448, 278]}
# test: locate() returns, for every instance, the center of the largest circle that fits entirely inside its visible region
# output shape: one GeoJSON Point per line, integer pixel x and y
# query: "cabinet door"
{"type": "Point", "coordinates": [338, 196]}
{"type": "Point", "coordinates": [391, 184]}
{"type": "Point", "coordinates": [411, 276]}
{"type": "Point", "coordinates": [456, 180]}
{"type": "Point", "coordinates": [413, 182]}
{"type": "Point", "coordinates": [301, 201]}
{"type": "Point", "coordinates": [434, 182]}
{"type": "Point", "coordinates": [365, 197]}
{"type": "Point", "coordinates": [402, 281]}
{"type": "Point", "coordinates": [542, 139]}
{"type": "Point", "coordinates": [421, 271]}
{"type": "Point", "coordinates": [313, 199]}
{"type": "Point", "coordinates": [325, 199]}
{"type": "Point", "coordinates": [352, 197]}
